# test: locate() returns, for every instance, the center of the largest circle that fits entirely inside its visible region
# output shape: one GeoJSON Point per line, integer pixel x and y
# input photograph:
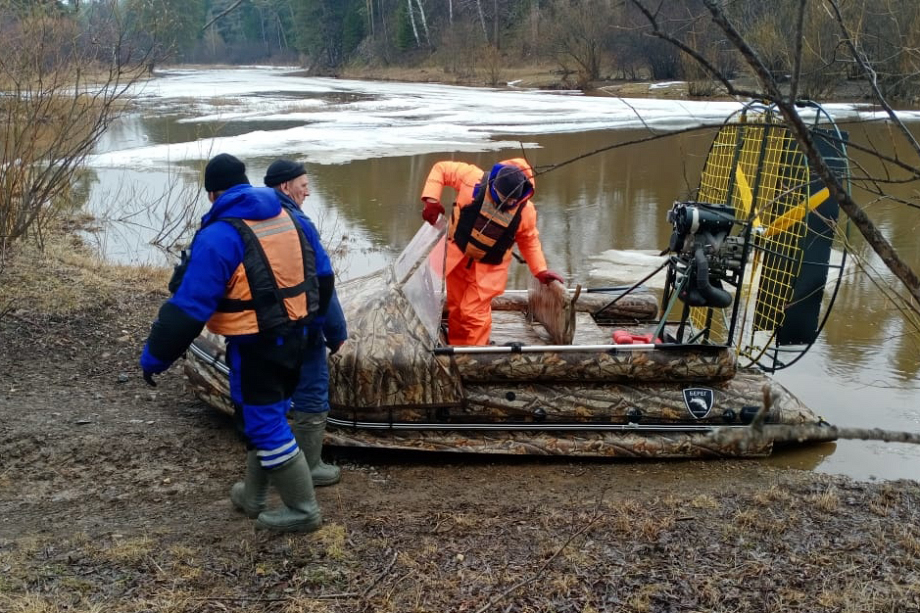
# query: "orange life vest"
{"type": "Point", "coordinates": [271, 286]}
{"type": "Point", "coordinates": [483, 231]}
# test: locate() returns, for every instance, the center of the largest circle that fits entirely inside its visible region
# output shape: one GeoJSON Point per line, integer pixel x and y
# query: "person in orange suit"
{"type": "Point", "coordinates": [491, 214]}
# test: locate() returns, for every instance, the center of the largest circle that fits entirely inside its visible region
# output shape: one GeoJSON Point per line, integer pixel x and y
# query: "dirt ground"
{"type": "Point", "coordinates": [114, 497]}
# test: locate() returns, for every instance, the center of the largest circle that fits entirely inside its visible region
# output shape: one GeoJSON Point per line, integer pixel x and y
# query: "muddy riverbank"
{"type": "Point", "coordinates": [113, 496]}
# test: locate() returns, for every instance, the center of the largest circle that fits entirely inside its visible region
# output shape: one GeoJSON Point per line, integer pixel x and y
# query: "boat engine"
{"type": "Point", "coordinates": [705, 254]}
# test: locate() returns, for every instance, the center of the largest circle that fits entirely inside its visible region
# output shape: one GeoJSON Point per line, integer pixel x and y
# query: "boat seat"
{"type": "Point", "coordinates": [588, 332]}
{"type": "Point", "coordinates": [514, 327]}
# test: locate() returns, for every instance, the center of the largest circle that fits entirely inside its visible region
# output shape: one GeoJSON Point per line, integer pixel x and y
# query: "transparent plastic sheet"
{"type": "Point", "coordinates": [420, 274]}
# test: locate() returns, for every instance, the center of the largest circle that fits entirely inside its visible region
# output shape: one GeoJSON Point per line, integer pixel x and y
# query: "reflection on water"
{"type": "Point", "coordinates": [863, 371]}
{"type": "Point", "coordinates": [801, 458]}
{"type": "Point", "coordinates": [144, 211]}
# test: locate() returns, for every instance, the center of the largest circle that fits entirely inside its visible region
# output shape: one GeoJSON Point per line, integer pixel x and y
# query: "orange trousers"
{"type": "Point", "coordinates": [469, 307]}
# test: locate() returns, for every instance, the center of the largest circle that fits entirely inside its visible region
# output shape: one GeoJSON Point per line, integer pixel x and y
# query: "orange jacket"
{"type": "Point", "coordinates": [463, 177]}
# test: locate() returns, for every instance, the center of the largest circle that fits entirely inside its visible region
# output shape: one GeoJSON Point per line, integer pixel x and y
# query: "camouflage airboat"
{"type": "Point", "coordinates": [607, 372]}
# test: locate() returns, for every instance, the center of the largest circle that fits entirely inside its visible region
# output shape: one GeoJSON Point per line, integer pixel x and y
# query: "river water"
{"type": "Point", "coordinates": [368, 147]}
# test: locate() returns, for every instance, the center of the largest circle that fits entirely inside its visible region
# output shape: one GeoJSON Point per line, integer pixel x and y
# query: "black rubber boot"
{"type": "Point", "coordinates": [309, 429]}
{"type": "Point", "coordinates": [300, 512]}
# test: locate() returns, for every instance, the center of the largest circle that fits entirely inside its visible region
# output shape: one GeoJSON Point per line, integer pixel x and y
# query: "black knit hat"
{"type": "Point", "coordinates": [282, 171]}
{"type": "Point", "coordinates": [223, 172]}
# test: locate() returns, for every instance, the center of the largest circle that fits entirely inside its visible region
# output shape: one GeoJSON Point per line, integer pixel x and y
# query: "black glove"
{"type": "Point", "coordinates": [151, 365]}
{"type": "Point", "coordinates": [148, 377]}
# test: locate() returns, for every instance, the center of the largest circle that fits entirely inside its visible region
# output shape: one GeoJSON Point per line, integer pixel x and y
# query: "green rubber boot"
{"type": "Point", "coordinates": [249, 495]}
{"type": "Point", "coordinates": [309, 429]}
{"type": "Point", "coordinates": [300, 512]}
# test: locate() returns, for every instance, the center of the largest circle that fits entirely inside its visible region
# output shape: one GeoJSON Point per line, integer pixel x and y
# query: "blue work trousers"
{"type": "Point", "coordinates": [312, 392]}
{"type": "Point", "coordinates": [263, 376]}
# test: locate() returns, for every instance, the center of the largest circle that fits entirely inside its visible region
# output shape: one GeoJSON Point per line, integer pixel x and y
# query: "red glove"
{"type": "Point", "coordinates": [548, 276]}
{"type": "Point", "coordinates": [431, 211]}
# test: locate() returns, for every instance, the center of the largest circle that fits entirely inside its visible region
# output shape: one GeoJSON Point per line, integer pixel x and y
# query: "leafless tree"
{"type": "Point", "coordinates": [60, 92]}
{"type": "Point", "coordinates": [768, 88]}
{"type": "Point", "coordinates": [579, 35]}
{"type": "Point", "coordinates": [411, 9]}
{"type": "Point", "coordinates": [482, 18]}
{"type": "Point", "coordinates": [424, 19]}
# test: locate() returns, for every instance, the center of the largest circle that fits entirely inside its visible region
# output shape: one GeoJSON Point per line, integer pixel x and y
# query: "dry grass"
{"type": "Point", "coordinates": [90, 74]}
{"type": "Point", "coordinates": [827, 501]}
{"type": "Point", "coordinates": [60, 275]}
{"type": "Point", "coordinates": [772, 496]}
{"type": "Point", "coordinates": [690, 565]}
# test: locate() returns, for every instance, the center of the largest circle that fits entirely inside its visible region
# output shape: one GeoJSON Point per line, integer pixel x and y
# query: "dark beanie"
{"type": "Point", "coordinates": [509, 182]}
{"type": "Point", "coordinates": [282, 171]}
{"type": "Point", "coordinates": [223, 172]}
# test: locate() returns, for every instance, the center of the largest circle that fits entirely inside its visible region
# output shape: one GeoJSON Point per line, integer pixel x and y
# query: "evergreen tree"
{"type": "Point", "coordinates": [405, 34]}
{"type": "Point", "coordinates": [328, 30]}
{"type": "Point", "coordinates": [165, 28]}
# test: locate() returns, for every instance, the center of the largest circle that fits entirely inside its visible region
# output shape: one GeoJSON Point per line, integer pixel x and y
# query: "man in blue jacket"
{"type": "Point", "coordinates": [311, 398]}
{"type": "Point", "coordinates": [256, 275]}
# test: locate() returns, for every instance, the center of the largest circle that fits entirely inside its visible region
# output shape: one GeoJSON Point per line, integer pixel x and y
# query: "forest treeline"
{"type": "Point", "coordinates": [67, 68]}
{"type": "Point", "coordinates": [584, 40]}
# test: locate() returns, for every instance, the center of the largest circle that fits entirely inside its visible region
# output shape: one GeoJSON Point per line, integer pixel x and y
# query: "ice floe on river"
{"type": "Point", "coordinates": [334, 121]}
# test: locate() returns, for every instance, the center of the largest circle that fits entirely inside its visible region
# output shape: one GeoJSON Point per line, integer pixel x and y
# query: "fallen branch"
{"type": "Point", "coordinates": [333, 596]}
{"type": "Point", "coordinates": [385, 572]}
{"type": "Point", "coordinates": [493, 601]}
{"type": "Point", "coordinates": [240, 598]}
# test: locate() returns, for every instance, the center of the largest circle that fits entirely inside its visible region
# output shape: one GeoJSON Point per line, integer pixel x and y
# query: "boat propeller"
{"type": "Point", "coordinates": [750, 262]}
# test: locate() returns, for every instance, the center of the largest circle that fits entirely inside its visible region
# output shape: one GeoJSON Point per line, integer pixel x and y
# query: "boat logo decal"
{"type": "Point", "coordinates": [698, 401]}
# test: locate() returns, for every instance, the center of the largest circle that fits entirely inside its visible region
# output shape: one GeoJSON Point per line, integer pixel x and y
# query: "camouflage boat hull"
{"type": "Point", "coordinates": [583, 444]}
{"type": "Point", "coordinates": [553, 383]}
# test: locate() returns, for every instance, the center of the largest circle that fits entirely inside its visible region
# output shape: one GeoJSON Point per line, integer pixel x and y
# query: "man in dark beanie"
{"type": "Point", "coordinates": [282, 171]}
{"type": "Point", "coordinates": [223, 172]}
{"type": "Point", "coordinates": [258, 276]}
{"type": "Point", "coordinates": [310, 404]}
{"type": "Point", "coordinates": [491, 214]}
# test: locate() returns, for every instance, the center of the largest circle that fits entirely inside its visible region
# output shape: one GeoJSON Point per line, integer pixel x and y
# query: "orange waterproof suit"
{"type": "Point", "coordinates": [472, 284]}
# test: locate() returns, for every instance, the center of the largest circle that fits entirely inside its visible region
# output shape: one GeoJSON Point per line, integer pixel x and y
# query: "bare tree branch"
{"type": "Point", "coordinates": [787, 108]}
{"type": "Point", "coordinates": [693, 53]}
{"type": "Point", "coordinates": [490, 605]}
{"type": "Point", "coordinates": [797, 58]}
{"type": "Point", "coordinates": [870, 73]}
{"type": "Point", "coordinates": [220, 15]}
{"type": "Point", "coordinates": [543, 169]}
{"type": "Point", "coordinates": [857, 215]}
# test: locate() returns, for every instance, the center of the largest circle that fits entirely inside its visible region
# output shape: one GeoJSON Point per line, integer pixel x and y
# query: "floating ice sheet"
{"type": "Point", "coordinates": [339, 120]}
